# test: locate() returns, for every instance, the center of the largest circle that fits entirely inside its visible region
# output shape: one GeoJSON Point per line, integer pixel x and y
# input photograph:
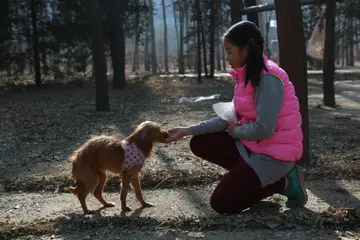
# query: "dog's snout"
{"type": "Point", "coordinates": [165, 134]}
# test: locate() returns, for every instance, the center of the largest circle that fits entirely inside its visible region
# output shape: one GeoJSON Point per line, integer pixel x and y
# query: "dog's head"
{"type": "Point", "coordinates": [151, 132]}
{"type": "Point", "coordinates": [146, 134]}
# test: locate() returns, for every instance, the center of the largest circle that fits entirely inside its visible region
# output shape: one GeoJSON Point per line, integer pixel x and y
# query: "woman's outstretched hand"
{"type": "Point", "coordinates": [177, 133]}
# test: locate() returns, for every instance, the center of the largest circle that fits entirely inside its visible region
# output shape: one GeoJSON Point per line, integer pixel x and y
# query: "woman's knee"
{"type": "Point", "coordinates": [217, 204]}
{"type": "Point", "coordinates": [222, 205]}
{"type": "Point", "coordinates": [197, 145]}
{"type": "Point", "coordinates": [205, 143]}
{"type": "Point", "coordinates": [219, 200]}
{"type": "Point", "coordinates": [227, 199]}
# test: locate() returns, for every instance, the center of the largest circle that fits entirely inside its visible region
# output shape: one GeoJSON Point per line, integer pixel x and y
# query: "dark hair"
{"type": "Point", "coordinates": [247, 33]}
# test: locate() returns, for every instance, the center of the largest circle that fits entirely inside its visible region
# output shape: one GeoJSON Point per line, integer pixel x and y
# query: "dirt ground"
{"type": "Point", "coordinates": [39, 129]}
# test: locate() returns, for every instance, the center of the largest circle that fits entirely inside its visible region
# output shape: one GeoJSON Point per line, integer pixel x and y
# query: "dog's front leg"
{"type": "Point", "coordinates": [126, 178]}
{"type": "Point", "coordinates": [135, 183]}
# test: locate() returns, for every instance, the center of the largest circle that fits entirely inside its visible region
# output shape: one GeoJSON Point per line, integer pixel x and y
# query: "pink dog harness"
{"type": "Point", "coordinates": [133, 155]}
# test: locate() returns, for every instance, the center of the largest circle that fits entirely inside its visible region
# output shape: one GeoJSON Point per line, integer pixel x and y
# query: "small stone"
{"type": "Point", "coordinates": [273, 222]}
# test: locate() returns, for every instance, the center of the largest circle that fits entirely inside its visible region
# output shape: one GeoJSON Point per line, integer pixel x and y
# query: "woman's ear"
{"type": "Point", "coordinates": [246, 49]}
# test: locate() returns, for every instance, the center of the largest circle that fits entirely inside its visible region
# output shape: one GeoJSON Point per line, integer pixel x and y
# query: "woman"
{"type": "Point", "coordinates": [260, 150]}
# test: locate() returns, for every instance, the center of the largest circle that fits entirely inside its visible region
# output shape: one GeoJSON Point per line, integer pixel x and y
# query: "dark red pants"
{"type": "Point", "coordinates": [240, 188]}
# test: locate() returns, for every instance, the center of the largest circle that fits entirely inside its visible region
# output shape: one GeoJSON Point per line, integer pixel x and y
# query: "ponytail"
{"type": "Point", "coordinates": [255, 63]}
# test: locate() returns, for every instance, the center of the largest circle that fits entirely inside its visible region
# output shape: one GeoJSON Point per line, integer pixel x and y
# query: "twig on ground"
{"type": "Point", "coordinates": [164, 180]}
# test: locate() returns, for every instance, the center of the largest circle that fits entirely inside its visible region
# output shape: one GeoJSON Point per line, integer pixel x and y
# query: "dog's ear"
{"type": "Point", "coordinates": [145, 142]}
{"type": "Point", "coordinates": [144, 136]}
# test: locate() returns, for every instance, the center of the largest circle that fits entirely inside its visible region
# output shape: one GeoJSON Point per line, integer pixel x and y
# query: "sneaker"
{"type": "Point", "coordinates": [296, 192]}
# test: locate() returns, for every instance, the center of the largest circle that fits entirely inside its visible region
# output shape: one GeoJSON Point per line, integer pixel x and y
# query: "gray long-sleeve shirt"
{"type": "Point", "coordinates": [268, 99]}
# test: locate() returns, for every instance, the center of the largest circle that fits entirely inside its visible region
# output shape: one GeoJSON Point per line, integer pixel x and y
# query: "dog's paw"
{"type": "Point", "coordinates": [109, 204]}
{"type": "Point", "coordinates": [88, 212]}
{"type": "Point", "coordinates": [126, 209]}
{"type": "Point", "coordinates": [146, 204]}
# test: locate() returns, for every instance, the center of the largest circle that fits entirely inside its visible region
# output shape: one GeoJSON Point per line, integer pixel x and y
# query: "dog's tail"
{"type": "Point", "coordinates": [75, 155]}
{"type": "Point", "coordinates": [78, 153]}
{"type": "Point", "coordinates": [72, 158]}
{"type": "Point", "coordinates": [72, 189]}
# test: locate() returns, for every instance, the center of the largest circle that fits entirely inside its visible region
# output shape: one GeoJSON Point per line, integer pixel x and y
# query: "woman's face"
{"type": "Point", "coordinates": [235, 55]}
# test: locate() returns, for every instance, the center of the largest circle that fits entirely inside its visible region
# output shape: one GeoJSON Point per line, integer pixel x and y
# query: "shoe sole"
{"type": "Point", "coordinates": [300, 177]}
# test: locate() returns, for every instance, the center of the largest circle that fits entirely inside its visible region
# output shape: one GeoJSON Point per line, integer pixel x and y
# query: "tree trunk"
{"type": "Point", "coordinates": [329, 55]}
{"type": "Point", "coordinates": [212, 37]}
{"type": "Point", "coordinates": [43, 42]}
{"type": "Point", "coordinates": [135, 59]}
{"type": "Point", "coordinates": [186, 26]}
{"type": "Point", "coordinates": [117, 42]}
{"type": "Point", "coordinates": [221, 47]}
{"type": "Point", "coordinates": [198, 39]}
{"type": "Point", "coordinates": [342, 36]}
{"type": "Point", "coordinates": [218, 57]}
{"type": "Point", "coordinates": [146, 50]}
{"type": "Point", "coordinates": [98, 53]}
{"type": "Point", "coordinates": [357, 21]}
{"type": "Point", "coordinates": [252, 17]}
{"type": "Point", "coordinates": [181, 40]}
{"type": "Point", "coordinates": [4, 21]}
{"type": "Point", "coordinates": [152, 32]}
{"type": "Point", "coordinates": [289, 19]}
{"type": "Point", "coordinates": [44, 62]}
{"type": "Point", "coordinates": [135, 64]}
{"type": "Point", "coordinates": [35, 43]}
{"type": "Point", "coordinates": [203, 45]}
{"type": "Point", "coordinates": [218, 43]}
{"type": "Point", "coordinates": [223, 58]}
{"type": "Point", "coordinates": [55, 62]}
{"type": "Point", "coordinates": [4, 27]}
{"type": "Point", "coordinates": [338, 42]}
{"type": "Point", "coordinates": [347, 41]}
{"type": "Point", "coordinates": [165, 38]}
{"type": "Point", "coordinates": [176, 30]}
{"type": "Point", "coordinates": [235, 7]}
{"type": "Point", "coordinates": [351, 39]}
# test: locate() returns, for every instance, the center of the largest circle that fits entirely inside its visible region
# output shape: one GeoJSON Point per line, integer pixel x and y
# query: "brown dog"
{"type": "Point", "coordinates": [107, 153]}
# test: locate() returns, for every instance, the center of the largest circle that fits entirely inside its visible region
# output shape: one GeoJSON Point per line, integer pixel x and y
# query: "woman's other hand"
{"type": "Point", "coordinates": [231, 128]}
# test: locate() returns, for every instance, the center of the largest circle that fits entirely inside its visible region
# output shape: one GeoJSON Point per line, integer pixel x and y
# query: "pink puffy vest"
{"type": "Point", "coordinates": [286, 142]}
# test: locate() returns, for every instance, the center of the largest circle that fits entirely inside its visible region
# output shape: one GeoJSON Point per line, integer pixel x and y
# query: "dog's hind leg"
{"type": "Point", "coordinates": [81, 193]}
{"type": "Point", "coordinates": [89, 180]}
{"type": "Point", "coordinates": [99, 190]}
